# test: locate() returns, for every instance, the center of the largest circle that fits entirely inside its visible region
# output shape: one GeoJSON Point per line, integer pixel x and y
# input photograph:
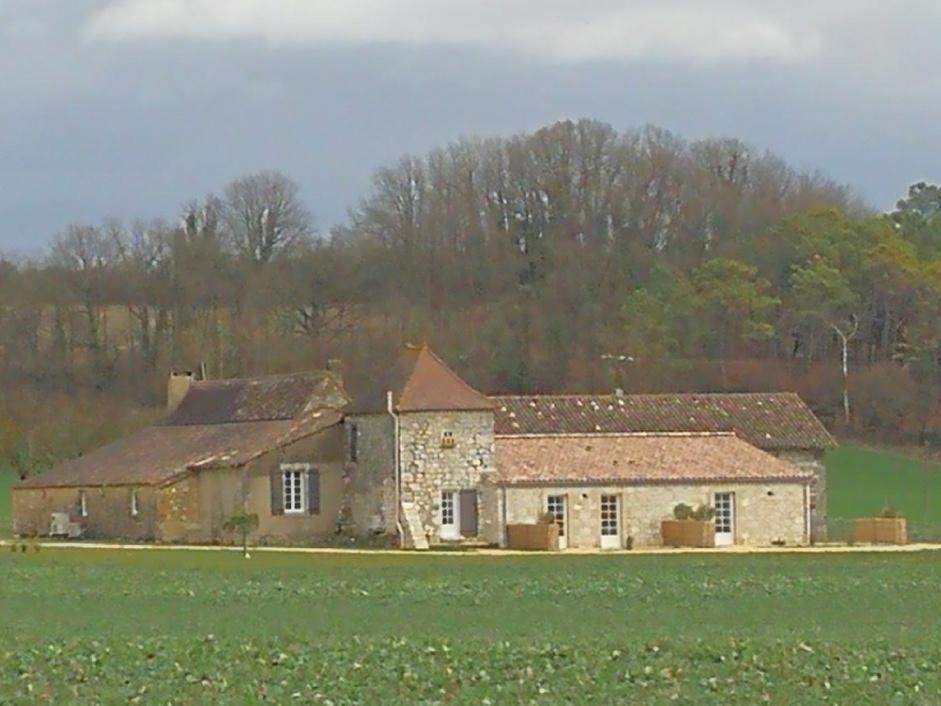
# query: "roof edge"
{"type": "Point", "coordinates": [578, 482]}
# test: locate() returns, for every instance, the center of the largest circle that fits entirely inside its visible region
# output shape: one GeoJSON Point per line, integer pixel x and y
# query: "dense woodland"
{"type": "Point", "coordinates": [576, 258]}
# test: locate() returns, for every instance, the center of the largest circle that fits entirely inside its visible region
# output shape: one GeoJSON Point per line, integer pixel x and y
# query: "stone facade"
{"type": "Point", "coordinates": [195, 507]}
{"type": "Point", "coordinates": [370, 490]}
{"type": "Point", "coordinates": [108, 511]}
{"type": "Point", "coordinates": [178, 510]}
{"type": "Point", "coordinates": [813, 461]}
{"type": "Point", "coordinates": [224, 492]}
{"type": "Point", "coordinates": [443, 451]}
{"type": "Point", "coordinates": [764, 512]}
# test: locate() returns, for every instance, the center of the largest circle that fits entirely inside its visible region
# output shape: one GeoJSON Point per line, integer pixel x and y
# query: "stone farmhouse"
{"type": "Point", "coordinates": [425, 459]}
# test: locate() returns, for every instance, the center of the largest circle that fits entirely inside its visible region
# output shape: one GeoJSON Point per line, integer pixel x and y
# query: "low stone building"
{"type": "Point", "coordinates": [272, 446]}
{"type": "Point", "coordinates": [779, 423]}
{"type": "Point", "coordinates": [614, 490]}
{"type": "Point", "coordinates": [422, 458]}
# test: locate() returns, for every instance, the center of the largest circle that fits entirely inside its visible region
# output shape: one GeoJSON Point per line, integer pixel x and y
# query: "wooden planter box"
{"type": "Point", "coordinates": [688, 533]}
{"type": "Point", "coordinates": [534, 537]}
{"type": "Point", "coordinates": [880, 530]}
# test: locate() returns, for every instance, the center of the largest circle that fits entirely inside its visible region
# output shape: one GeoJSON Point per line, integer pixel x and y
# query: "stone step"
{"type": "Point", "coordinates": [411, 524]}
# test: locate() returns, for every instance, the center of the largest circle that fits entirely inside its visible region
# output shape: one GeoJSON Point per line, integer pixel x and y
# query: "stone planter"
{"type": "Point", "coordinates": [880, 530]}
{"type": "Point", "coordinates": [688, 533]}
{"type": "Point", "coordinates": [541, 537]}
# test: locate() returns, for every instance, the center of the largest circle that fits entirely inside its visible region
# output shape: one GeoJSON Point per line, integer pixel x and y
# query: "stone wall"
{"type": "Point", "coordinates": [370, 488]}
{"type": "Point", "coordinates": [109, 511]}
{"type": "Point", "coordinates": [224, 492]}
{"type": "Point", "coordinates": [178, 518]}
{"type": "Point", "coordinates": [809, 460]}
{"type": "Point", "coordinates": [428, 466]}
{"type": "Point", "coordinates": [764, 512]}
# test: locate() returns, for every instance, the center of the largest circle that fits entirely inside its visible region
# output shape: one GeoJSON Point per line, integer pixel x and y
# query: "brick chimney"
{"type": "Point", "coordinates": [177, 386]}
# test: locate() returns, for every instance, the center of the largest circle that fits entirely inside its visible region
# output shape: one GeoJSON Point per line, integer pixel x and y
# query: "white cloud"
{"type": "Point", "coordinates": [687, 31]}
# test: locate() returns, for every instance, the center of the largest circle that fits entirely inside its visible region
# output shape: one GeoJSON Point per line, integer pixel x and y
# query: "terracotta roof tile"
{"type": "Point", "coordinates": [257, 399]}
{"type": "Point", "coordinates": [766, 420]}
{"type": "Point", "coordinates": [420, 382]}
{"type": "Point", "coordinates": [219, 424]}
{"type": "Point", "coordinates": [159, 453]}
{"type": "Point", "coordinates": [627, 458]}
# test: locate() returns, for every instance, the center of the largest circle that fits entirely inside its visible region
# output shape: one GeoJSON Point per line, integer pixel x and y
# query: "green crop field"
{"type": "Point", "coordinates": [862, 481]}
{"type": "Point", "coordinates": [108, 626]}
{"type": "Point", "coordinates": [6, 480]}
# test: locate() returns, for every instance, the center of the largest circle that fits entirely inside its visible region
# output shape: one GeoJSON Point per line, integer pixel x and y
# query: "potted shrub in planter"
{"type": "Point", "coordinates": [544, 535]}
{"type": "Point", "coordinates": [886, 528]}
{"type": "Point", "coordinates": [689, 527]}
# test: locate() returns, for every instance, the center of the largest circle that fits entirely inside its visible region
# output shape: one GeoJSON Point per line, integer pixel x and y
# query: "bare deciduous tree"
{"type": "Point", "coordinates": [264, 215]}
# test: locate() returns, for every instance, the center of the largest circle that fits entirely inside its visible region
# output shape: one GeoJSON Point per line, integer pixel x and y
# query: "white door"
{"type": "Point", "coordinates": [450, 514]}
{"type": "Point", "coordinates": [725, 519]}
{"type": "Point", "coordinates": [610, 522]}
{"type": "Point", "coordinates": [557, 506]}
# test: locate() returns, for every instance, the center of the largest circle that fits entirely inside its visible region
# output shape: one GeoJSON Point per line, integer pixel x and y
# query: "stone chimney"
{"type": "Point", "coordinates": [177, 386]}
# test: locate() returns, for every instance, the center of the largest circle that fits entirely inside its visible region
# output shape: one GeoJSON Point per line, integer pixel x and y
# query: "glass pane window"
{"type": "Point", "coordinates": [556, 505]}
{"type": "Point", "coordinates": [723, 512]}
{"type": "Point", "coordinates": [293, 491]}
{"type": "Point", "coordinates": [609, 515]}
{"type": "Point", "coordinates": [447, 508]}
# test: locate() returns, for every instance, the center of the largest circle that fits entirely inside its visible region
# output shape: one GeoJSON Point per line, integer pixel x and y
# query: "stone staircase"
{"type": "Point", "coordinates": [412, 527]}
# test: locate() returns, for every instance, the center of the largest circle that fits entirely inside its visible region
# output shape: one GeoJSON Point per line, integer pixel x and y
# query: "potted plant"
{"type": "Point", "coordinates": [689, 527]}
{"type": "Point", "coordinates": [888, 527]}
{"type": "Point", "coordinates": [543, 535]}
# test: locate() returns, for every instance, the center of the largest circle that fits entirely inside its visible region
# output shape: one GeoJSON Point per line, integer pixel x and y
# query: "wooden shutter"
{"type": "Point", "coordinates": [313, 491]}
{"type": "Point", "coordinates": [469, 513]}
{"type": "Point", "coordinates": [277, 493]}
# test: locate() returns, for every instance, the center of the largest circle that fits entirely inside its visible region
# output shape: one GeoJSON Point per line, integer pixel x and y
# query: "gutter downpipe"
{"type": "Point", "coordinates": [395, 468]}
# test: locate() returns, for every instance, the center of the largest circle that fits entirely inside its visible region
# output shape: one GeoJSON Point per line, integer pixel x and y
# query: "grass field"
{"type": "Point", "coordinates": [862, 481]}
{"type": "Point", "coordinates": [204, 627]}
{"type": "Point", "coordinates": [6, 480]}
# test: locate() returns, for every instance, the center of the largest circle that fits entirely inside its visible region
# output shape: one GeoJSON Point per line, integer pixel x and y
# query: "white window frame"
{"type": "Point", "coordinates": [610, 511]}
{"type": "Point", "coordinates": [450, 504]}
{"type": "Point", "coordinates": [292, 469]}
{"type": "Point", "coordinates": [83, 503]}
{"type": "Point", "coordinates": [556, 504]}
{"type": "Point", "coordinates": [135, 508]}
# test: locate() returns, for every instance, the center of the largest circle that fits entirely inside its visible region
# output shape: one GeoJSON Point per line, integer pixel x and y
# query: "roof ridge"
{"type": "Point", "coordinates": [624, 434]}
{"type": "Point", "coordinates": [614, 395]}
{"type": "Point", "coordinates": [453, 374]}
{"type": "Point", "coordinates": [266, 376]}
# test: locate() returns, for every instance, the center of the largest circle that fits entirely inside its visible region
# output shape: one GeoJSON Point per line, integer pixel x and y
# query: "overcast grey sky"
{"type": "Point", "coordinates": [128, 108]}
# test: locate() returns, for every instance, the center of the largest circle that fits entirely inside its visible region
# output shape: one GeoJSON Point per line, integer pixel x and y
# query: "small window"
{"type": "Point", "coordinates": [135, 510]}
{"type": "Point", "coordinates": [447, 440]}
{"type": "Point", "coordinates": [556, 505]}
{"type": "Point", "coordinates": [293, 491]}
{"type": "Point", "coordinates": [82, 503]}
{"type": "Point", "coordinates": [354, 443]}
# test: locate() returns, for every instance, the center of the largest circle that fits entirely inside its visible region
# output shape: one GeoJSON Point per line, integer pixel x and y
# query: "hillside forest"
{"type": "Point", "coordinates": [574, 258]}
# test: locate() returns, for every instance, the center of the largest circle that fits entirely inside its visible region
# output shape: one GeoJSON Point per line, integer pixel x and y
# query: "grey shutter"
{"type": "Point", "coordinates": [277, 493]}
{"type": "Point", "coordinates": [469, 513]}
{"type": "Point", "coordinates": [313, 491]}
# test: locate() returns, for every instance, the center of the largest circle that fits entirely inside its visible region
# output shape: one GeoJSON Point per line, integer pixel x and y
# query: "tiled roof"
{"type": "Point", "coordinates": [257, 399]}
{"type": "Point", "coordinates": [420, 382]}
{"type": "Point", "coordinates": [218, 424]}
{"type": "Point", "coordinates": [159, 453]}
{"type": "Point", "coordinates": [777, 420]}
{"type": "Point", "coordinates": [636, 459]}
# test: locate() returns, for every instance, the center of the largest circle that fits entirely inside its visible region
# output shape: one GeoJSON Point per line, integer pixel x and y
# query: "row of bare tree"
{"type": "Point", "coordinates": [576, 257]}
